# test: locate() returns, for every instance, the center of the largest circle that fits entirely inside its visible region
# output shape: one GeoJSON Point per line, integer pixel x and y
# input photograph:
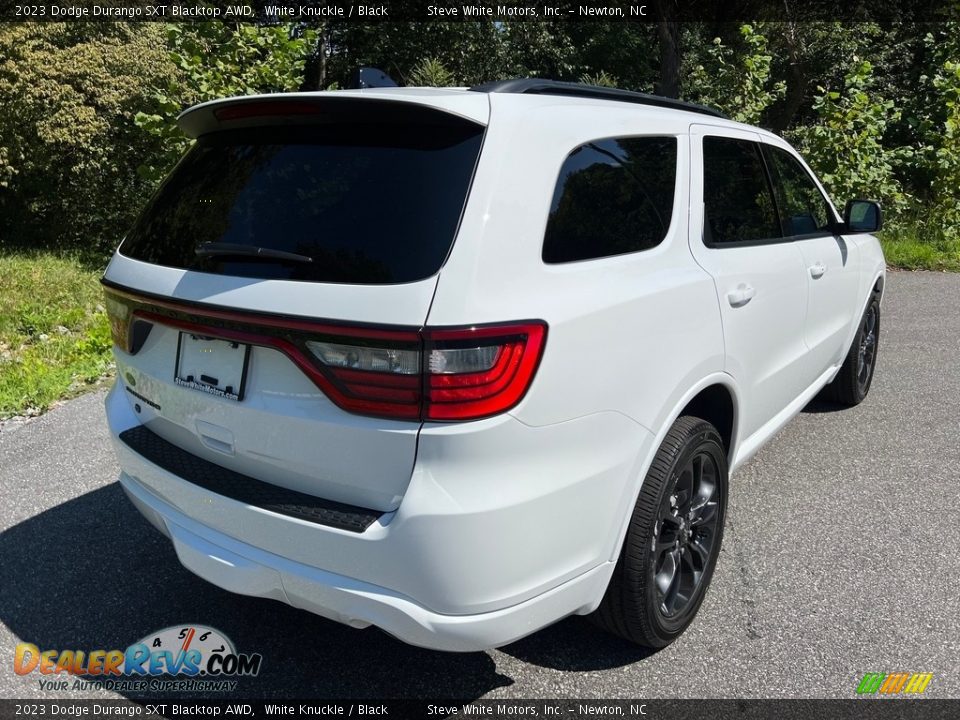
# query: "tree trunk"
{"type": "Point", "coordinates": [669, 34]}
{"type": "Point", "coordinates": [315, 69]}
{"type": "Point", "coordinates": [781, 115]}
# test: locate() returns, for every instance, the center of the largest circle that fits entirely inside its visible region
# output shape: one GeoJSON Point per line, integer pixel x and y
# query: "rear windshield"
{"type": "Point", "coordinates": [360, 202]}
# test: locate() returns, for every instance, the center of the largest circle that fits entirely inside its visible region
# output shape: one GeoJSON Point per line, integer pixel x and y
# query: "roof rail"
{"type": "Point", "coordinates": [538, 86]}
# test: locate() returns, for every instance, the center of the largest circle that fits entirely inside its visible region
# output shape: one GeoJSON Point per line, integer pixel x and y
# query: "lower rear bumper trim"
{"type": "Point", "coordinates": [243, 488]}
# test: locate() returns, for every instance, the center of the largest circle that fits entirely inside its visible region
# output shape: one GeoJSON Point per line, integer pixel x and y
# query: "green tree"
{"type": "Point", "coordinates": [846, 146]}
{"type": "Point", "coordinates": [68, 143]}
{"type": "Point", "coordinates": [737, 81]}
{"type": "Point", "coordinates": [430, 72]}
{"type": "Point", "coordinates": [471, 51]}
{"type": "Point", "coordinates": [216, 60]}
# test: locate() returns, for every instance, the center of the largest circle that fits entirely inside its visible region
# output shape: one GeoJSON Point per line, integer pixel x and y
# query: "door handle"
{"type": "Point", "coordinates": [741, 295]}
{"type": "Point", "coordinates": [817, 270]}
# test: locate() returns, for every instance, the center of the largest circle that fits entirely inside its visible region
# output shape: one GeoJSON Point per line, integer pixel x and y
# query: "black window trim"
{"type": "Point", "coordinates": [673, 210]}
{"type": "Point", "coordinates": [832, 231]}
{"type": "Point", "coordinates": [834, 228]}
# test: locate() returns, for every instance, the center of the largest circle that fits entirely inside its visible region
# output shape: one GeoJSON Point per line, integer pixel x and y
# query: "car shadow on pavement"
{"type": "Point", "coordinates": [92, 574]}
{"type": "Point", "coordinates": [822, 404]}
{"type": "Point", "coordinates": [575, 645]}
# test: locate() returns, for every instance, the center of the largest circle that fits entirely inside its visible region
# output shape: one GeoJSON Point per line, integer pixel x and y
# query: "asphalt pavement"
{"type": "Point", "coordinates": [840, 558]}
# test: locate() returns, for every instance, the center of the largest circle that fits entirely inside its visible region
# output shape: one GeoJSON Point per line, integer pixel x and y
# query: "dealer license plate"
{"type": "Point", "coordinates": [211, 365]}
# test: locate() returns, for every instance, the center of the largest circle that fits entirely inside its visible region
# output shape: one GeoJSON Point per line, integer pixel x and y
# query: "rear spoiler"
{"type": "Point", "coordinates": [381, 105]}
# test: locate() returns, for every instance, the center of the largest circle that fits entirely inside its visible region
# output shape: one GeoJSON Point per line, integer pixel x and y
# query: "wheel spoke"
{"type": "Point", "coordinates": [687, 579]}
{"type": "Point", "coordinates": [699, 555]}
{"type": "Point", "coordinates": [704, 514]}
{"type": "Point", "coordinates": [668, 573]}
{"type": "Point", "coordinates": [666, 537]}
{"type": "Point", "coordinates": [671, 595]}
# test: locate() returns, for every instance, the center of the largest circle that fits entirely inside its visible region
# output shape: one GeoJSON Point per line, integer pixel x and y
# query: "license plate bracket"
{"type": "Point", "coordinates": [211, 365]}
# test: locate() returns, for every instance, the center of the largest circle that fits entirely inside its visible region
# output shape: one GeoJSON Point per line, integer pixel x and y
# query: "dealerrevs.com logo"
{"type": "Point", "coordinates": [894, 683]}
{"type": "Point", "coordinates": [176, 659]}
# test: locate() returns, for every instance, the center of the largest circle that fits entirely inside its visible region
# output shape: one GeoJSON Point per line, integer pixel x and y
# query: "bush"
{"type": "Point", "coordinates": [68, 144]}
{"type": "Point", "coordinates": [215, 60]}
{"type": "Point", "coordinates": [739, 83]}
{"type": "Point", "coordinates": [845, 145]}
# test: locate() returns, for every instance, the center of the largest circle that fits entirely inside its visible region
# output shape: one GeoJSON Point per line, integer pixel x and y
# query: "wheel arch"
{"type": "Point", "coordinates": [716, 405]}
{"type": "Point", "coordinates": [875, 290]}
{"type": "Point", "coordinates": [714, 396]}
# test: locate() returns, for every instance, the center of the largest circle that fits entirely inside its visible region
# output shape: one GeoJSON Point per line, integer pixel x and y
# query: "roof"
{"type": "Point", "coordinates": [537, 86]}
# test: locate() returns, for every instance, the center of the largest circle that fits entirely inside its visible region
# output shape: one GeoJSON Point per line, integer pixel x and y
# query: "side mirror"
{"type": "Point", "coordinates": [863, 216]}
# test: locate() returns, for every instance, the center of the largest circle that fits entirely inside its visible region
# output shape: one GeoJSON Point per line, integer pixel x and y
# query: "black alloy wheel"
{"type": "Point", "coordinates": [673, 539]}
{"type": "Point", "coordinates": [686, 533]}
{"type": "Point", "coordinates": [853, 381]}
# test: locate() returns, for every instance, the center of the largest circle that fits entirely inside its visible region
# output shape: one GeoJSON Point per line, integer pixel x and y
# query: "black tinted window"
{"type": "Point", "coordinates": [368, 203]}
{"type": "Point", "coordinates": [737, 200]}
{"type": "Point", "coordinates": [612, 197]}
{"type": "Point", "coordinates": [803, 209]}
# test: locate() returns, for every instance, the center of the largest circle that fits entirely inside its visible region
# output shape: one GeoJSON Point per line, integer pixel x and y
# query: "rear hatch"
{"type": "Point", "coordinates": [267, 303]}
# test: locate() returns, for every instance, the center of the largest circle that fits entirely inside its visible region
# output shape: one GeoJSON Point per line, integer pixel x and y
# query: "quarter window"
{"type": "Point", "coordinates": [613, 196]}
{"type": "Point", "coordinates": [803, 209]}
{"type": "Point", "coordinates": [736, 193]}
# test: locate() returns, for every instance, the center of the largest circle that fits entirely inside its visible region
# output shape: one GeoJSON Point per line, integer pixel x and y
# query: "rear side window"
{"type": "Point", "coordinates": [613, 196]}
{"type": "Point", "coordinates": [803, 209]}
{"type": "Point", "coordinates": [736, 194]}
{"type": "Point", "coordinates": [357, 202]}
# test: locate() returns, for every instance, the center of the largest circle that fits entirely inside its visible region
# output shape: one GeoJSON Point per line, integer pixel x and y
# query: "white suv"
{"type": "Point", "coordinates": [460, 363]}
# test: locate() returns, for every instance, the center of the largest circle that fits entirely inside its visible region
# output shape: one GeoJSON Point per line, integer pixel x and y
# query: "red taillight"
{"type": "Point", "coordinates": [475, 393]}
{"type": "Point", "coordinates": [371, 376]}
{"type": "Point", "coordinates": [439, 374]}
{"type": "Point", "coordinates": [454, 374]}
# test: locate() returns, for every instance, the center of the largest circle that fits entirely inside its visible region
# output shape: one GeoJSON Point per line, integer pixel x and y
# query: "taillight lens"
{"type": "Point", "coordinates": [120, 316]}
{"type": "Point", "coordinates": [478, 372]}
{"type": "Point", "coordinates": [440, 374]}
{"type": "Point", "coordinates": [454, 374]}
{"type": "Point", "coordinates": [380, 379]}
{"type": "Point", "coordinates": [357, 357]}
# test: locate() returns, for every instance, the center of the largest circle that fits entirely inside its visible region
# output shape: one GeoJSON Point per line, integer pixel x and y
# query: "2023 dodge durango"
{"type": "Point", "coordinates": [459, 363]}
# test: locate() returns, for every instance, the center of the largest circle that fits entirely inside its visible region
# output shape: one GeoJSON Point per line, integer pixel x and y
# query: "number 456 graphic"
{"type": "Point", "coordinates": [894, 683]}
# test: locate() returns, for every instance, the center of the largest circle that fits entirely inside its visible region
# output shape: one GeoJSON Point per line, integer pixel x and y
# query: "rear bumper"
{"type": "Point", "coordinates": [244, 569]}
{"type": "Point", "coordinates": [503, 530]}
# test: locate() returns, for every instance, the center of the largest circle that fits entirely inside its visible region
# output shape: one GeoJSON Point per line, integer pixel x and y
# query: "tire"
{"type": "Point", "coordinates": [852, 383]}
{"type": "Point", "coordinates": [636, 606]}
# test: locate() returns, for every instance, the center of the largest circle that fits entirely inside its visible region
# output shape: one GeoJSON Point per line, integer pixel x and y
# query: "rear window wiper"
{"type": "Point", "coordinates": [214, 249]}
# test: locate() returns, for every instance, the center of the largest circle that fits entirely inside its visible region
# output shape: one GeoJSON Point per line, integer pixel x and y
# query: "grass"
{"type": "Point", "coordinates": [907, 248]}
{"type": "Point", "coordinates": [54, 335]}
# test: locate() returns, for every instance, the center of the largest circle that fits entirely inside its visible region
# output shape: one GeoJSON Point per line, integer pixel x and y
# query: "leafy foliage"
{"type": "Point", "coordinates": [602, 78]}
{"type": "Point", "coordinates": [945, 144]}
{"type": "Point", "coordinates": [69, 93]}
{"type": "Point", "coordinates": [215, 60]}
{"type": "Point", "coordinates": [874, 107]}
{"type": "Point", "coordinates": [430, 72]}
{"type": "Point", "coordinates": [846, 143]}
{"type": "Point", "coordinates": [738, 82]}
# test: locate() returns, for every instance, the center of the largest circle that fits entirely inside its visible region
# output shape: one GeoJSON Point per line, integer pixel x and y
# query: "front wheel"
{"type": "Point", "coordinates": [673, 539]}
{"type": "Point", "coordinates": [853, 381]}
